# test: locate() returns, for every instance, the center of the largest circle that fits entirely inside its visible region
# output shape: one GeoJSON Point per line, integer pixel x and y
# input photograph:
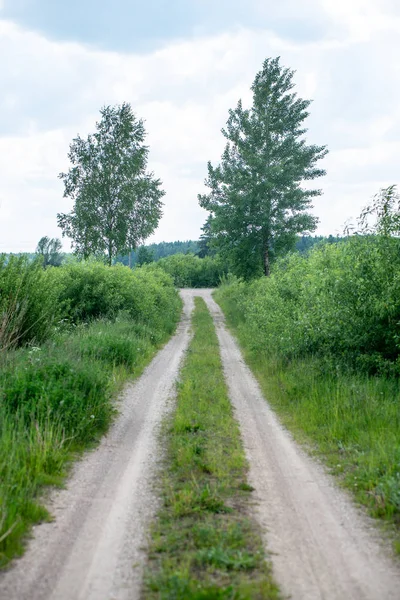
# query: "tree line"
{"type": "Point", "coordinates": [259, 196]}
{"type": "Point", "coordinates": [48, 250]}
{"type": "Point", "coordinates": [257, 199]}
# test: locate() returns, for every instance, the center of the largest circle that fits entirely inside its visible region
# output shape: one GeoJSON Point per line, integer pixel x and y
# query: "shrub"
{"type": "Point", "coordinates": [189, 270]}
{"type": "Point", "coordinates": [341, 301]}
{"type": "Point", "coordinates": [93, 290]}
{"type": "Point", "coordinates": [28, 302]}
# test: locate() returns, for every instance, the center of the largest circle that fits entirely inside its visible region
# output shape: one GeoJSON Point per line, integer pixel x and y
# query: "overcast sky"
{"type": "Point", "coordinates": [182, 64]}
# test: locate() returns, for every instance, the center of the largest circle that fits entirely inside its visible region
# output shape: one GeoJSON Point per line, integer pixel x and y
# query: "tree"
{"type": "Point", "coordinates": [205, 239]}
{"type": "Point", "coordinates": [144, 256]}
{"type": "Point", "coordinates": [385, 207]}
{"type": "Point", "coordinates": [49, 249]}
{"type": "Point", "coordinates": [117, 202]}
{"type": "Point", "coordinates": [256, 197]}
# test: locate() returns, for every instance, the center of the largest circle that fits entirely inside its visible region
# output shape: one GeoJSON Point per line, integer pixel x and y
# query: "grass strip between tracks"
{"type": "Point", "coordinates": [204, 543]}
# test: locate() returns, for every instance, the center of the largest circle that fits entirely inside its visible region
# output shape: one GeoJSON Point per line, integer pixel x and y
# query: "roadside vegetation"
{"type": "Point", "coordinates": [322, 336]}
{"type": "Point", "coordinates": [69, 337]}
{"type": "Point", "coordinates": [205, 544]}
{"type": "Point", "coordinates": [189, 271]}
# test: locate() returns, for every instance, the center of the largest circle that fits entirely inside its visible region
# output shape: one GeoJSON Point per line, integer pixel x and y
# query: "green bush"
{"type": "Point", "coordinates": [191, 271]}
{"type": "Point", "coordinates": [93, 290]}
{"type": "Point", "coordinates": [159, 303]}
{"type": "Point", "coordinates": [33, 300]}
{"type": "Point", "coordinates": [29, 306]}
{"type": "Point", "coordinates": [341, 302]}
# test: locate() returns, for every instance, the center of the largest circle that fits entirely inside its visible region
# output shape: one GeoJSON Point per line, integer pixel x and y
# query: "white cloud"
{"type": "Point", "coordinates": [53, 90]}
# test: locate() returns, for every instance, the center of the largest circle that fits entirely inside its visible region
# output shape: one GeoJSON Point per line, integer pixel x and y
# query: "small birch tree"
{"type": "Point", "coordinates": [117, 203]}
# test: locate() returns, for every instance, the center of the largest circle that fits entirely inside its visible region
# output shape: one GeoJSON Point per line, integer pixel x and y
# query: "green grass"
{"type": "Point", "coordinates": [350, 420]}
{"type": "Point", "coordinates": [204, 543]}
{"type": "Point", "coordinates": [55, 401]}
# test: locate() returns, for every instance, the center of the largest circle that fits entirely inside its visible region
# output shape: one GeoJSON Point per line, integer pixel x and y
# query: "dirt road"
{"type": "Point", "coordinates": [94, 548]}
{"type": "Point", "coordinates": [322, 547]}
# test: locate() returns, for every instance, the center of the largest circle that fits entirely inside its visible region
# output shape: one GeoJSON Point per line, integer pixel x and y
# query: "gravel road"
{"type": "Point", "coordinates": [322, 547]}
{"type": "Point", "coordinates": [94, 548]}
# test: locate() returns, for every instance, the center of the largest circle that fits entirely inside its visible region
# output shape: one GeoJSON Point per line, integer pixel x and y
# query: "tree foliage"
{"type": "Point", "coordinates": [385, 209]}
{"type": "Point", "coordinates": [49, 250]}
{"type": "Point", "coordinates": [205, 241]}
{"type": "Point", "coordinates": [117, 203]}
{"type": "Point", "coordinates": [257, 200]}
{"type": "Point", "coordinates": [144, 256]}
{"type": "Point", "coordinates": [163, 249]}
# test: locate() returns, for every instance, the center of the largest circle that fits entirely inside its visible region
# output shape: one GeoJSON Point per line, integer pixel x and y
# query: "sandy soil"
{"type": "Point", "coordinates": [94, 548]}
{"type": "Point", "coordinates": [322, 547]}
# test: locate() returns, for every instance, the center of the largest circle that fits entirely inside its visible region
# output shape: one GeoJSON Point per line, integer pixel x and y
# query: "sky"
{"type": "Point", "coordinates": [182, 64]}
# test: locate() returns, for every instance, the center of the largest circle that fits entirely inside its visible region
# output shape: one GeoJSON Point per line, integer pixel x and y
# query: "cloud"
{"type": "Point", "coordinates": [53, 90]}
{"type": "Point", "coordinates": [134, 26]}
{"type": "Point", "coordinates": [362, 18]}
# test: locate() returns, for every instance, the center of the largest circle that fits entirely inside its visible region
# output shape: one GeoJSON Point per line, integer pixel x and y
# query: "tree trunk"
{"type": "Point", "coordinates": [267, 270]}
{"type": "Point", "coordinates": [130, 259]}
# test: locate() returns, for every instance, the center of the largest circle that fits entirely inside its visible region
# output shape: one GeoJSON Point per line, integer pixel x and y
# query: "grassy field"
{"type": "Point", "coordinates": [351, 420]}
{"type": "Point", "coordinates": [204, 544]}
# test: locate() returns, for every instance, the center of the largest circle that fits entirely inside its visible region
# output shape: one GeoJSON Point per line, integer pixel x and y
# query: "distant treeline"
{"type": "Point", "coordinates": [164, 249]}
{"type": "Point", "coordinates": [154, 252]}
{"type": "Point", "coordinates": [306, 242]}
